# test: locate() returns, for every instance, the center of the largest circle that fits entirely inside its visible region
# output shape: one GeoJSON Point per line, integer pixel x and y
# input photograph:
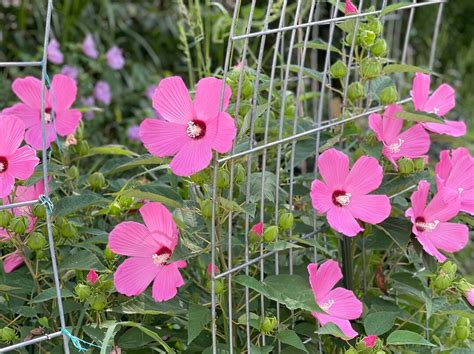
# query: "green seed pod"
{"type": "Point", "coordinates": [108, 254]}
{"type": "Point", "coordinates": [73, 172]}
{"type": "Point", "coordinates": [370, 68]}
{"type": "Point", "coordinates": [450, 269]}
{"type": "Point", "coordinates": [223, 179]}
{"type": "Point", "coordinates": [463, 321]}
{"type": "Point", "coordinates": [247, 87]}
{"type": "Point", "coordinates": [464, 285]}
{"type": "Point", "coordinates": [219, 286]}
{"type": "Point", "coordinates": [270, 233]}
{"type": "Point", "coordinates": [269, 324]}
{"type": "Point", "coordinates": [36, 241]}
{"type": "Point", "coordinates": [367, 38]}
{"type": "Point", "coordinates": [286, 221]}
{"type": "Point", "coordinates": [405, 166]}
{"type": "Point", "coordinates": [355, 91]}
{"type": "Point", "coordinates": [5, 218]}
{"type": "Point", "coordinates": [68, 230]}
{"type": "Point", "coordinates": [338, 70]}
{"type": "Point", "coordinates": [98, 302]}
{"type": "Point", "coordinates": [239, 174]}
{"type": "Point", "coordinates": [350, 351]}
{"type": "Point", "coordinates": [19, 224]}
{"type": "Point", "coordinates": [206, 208]}
{"type": "Point", "coordinates": [419, 164]}
{"type": "Point", "coordinates": [8, 335]}
{"type": "Point", "coordinates": [374, 25]}
{"type": "Point", "coordinates": [83, 291]}
{"type": "Point", "coordinates": [462, 332]}
{"type": "Point", "coordinates": [388, 95]}
{"type": "Point", "coordinates": [115, 208]}
{"type": "Point", "coordinates": [442, 282]}
{"type": "Point", "coordinates": [125, 202]}
{"type": "Point", "coordinates": [82, 148]}
{"type": "Point", "coordinates": [379, 49]}
{"type": "Point", "coordinates": [97, 180]}
{"type": "Point", "coordinates": [39, 211]}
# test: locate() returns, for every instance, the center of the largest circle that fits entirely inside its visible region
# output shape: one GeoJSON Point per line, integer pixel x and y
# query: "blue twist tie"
{"type": "Point", "coordinates": [78, 342]}
{"type": "Point", "coordinates": [47, 203]}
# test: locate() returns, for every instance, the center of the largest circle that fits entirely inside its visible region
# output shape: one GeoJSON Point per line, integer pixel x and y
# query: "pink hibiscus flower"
{"type": "Point", "coordinates": [257, 229]}
{"type": "Point", "coordinates": [440, 102]}
{"type": "Point", "coordinates": [92, 276]}
{"type": "Point", "coordinates": [457, 173]}
{"type": "Point", "coordinates": [15, 162]}
{"type": "Point", "coordinates": [149, 248]}
{"type": "Point", "coordinates": [430, 224]}
{"type": "Point", "coordinates": [28, 90]}
{"type": "Point", "coordinates": [370, 341]}
{"type": "Point", "coordinates": [412, 143]}
{"type": "Point", "coordinates": [189, 131]}
{"type": "Point", "coordinates": [339, 305]}
{"type": "Point", "coordinates": [344, 195]}
{"type": "Point", "coordinates": [470, 296]}
{"type": "Point", "coordinates": [349, 8]}
{"type": "Point", "coordinates": [12, 261]}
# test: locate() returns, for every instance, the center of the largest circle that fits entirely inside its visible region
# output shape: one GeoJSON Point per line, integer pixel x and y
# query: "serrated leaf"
{"type": "Point", "coordinates": [318, 44]}
{"type": "Point", "coordinates": [291, 338]}
{"type": "Point", "coordinates": [403, 337]}
{"type": "Point", "coordinates": [82, 260]}
{"type": "Point", "coordinates": [71, 204]}
{"type": "Point", "coordinates": [198, 317]}
{"type": "Point", "coordinates": [404, 68]}
{"type": "Point", "coordinates": [50, 294]}
{"type": "Point", "coordinates": [333, 330]}
{"type": "Point", "coordinates": [135, 193]}
{"type": "Point", "coordinates": [110, 150]}
{"type": "Point", "coordinates": [393, 7]}
{"type": "Point", "coordinates": [418, 117]}
{"type": "Point", "coordinates": [261, 350]}
{"type": "Point", "coordinates": [399, 230]}
{"type": "Point", "coordinates": [311, 73]}
{"type": "Point", "coordinates": [138, 162]}
{"type": "Point", "coordinates": [378, 323]}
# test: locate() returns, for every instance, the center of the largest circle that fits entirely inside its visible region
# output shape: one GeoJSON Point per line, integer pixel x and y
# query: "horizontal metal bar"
{"type": "Point", "coordinates": [31, 341]}
{"type": "Point", "coordinates": [308, 132]}
{"type": "Point", "coordinates": [20, 63]}
{"type": "Point", "coordinates": [329, 21]}
{"type": "Point", "coordinates": [18, 205]}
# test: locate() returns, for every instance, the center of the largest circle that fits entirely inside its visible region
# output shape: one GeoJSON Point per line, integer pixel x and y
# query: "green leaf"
{"type": "Point", "coordinates": [71, 204]}
{"type": "Point", "coordinates": [399, 230]}
{"type": "Point", "coordinates": [378, 323]}
{"type": "Point", "coordinates": [319, 44]}
{"type": "Point", "coordinates": [198, 317]}
{"type": "Point", "coordinates": [418, 117]}
{"type": "Point", "coordinates": [333, 330]}
{"type": "Point", "coordinates": [291, 338]}
{"type": "Point", "coordinates": [347, 26]}
{"type": "Point", "coordinates": [404, 68]}
{"type": "Point", "coordinates": [269, 186]}
{"type": "Point", "coordinates": [394, 7]}
{"type": "Point", "coordinates": [261, 350]}
{"type": "Point", "coordinates": [311, 73]}
{"type": "Point", "coordinates": [140, 161]}
{"type": "Point", "coordinates": [82, 260]}
{"type": "Point", "coordinates": [402, 337]}
{"type": "Point", "coordinates": [135, 193]}
{"type": "Point", "coordinates": [50, 294]}
{"type": "Point", "coordinates": [110, 150]}
{"type": "Point", "coordinates": [292, 291]}
{"type": "Point", "coordinates": [146, 305]}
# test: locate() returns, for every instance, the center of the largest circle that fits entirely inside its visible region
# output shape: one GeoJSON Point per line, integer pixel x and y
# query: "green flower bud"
{"type": "Point", "coordinates": [464, 285]}
{"type": "Point", "coordinates": [19, 224]}
{"type": "Point", "coordinates": [5, 218]}
{"type": "Point", "coordinates": [405, 166]}
{"type": "Point", "coordinates": [269, 324]}
{"type": "Point", "coordinates": [350, 351]}
{"type": "Point", "coordinates": [380, 352]}
{"type": "Point", "coordinates": [442, 282]}
{"type": "Point", "coordinates": [115, 208]}
{"type": "Point", "coordinates": [219, 286]}
{"type": "Point", "coordinates": [388, 95]}
{"type": "Point", "coordinates": [419, 164]}
{"type": "Point", "coordinates": [374, 25]}
{"type": "Point", "coordinates": [97, 180]}
{"type": "Point", "coordinates": [286, 221]}
{"type": "Point", "coordinates": [223, 179]}
{"type": "Point", "coordinates": [108, 254]}
{"type": "Point", "coordinates": [338, 70]}
{"type": "Point", "coordinates": [367, 38]}
{"type": "Point", "coordinates": [36, 241]}
{"type": "Point", "coordinates": [39, 211]}
{"type": "Point", "coordinates": [206, 208]}
{"type": "Point", "coordinates": [350, 37]}
{"type": "Point", "coordinates": [355, 91]}
{"type": "Point", "coordinates": [270, 233]}
{"type": "Point", "coordinates": [8, 335]}
{"type": "Point", "coordinates": [450, 269]}
{"type": "Point", "coordinates": [68, 230]}
{"type": "Point", "coordinates": [201, 177]}
{"type": "Point", "coordinates": [247, 87]}
{"type": "Point", "coordinates": [98, 302]}
{"type": "Point", "coordinates": [125, 202]}
{"type": "Point", "coordinates": [73, 172]}
{"type": "Point", "coordinates": [463, 321]}
{"type": "Point", "coordinates": [370, 68]}
{"type": "Point", "coordinates": [83, 291]}
{"type": "Point", "coordinates": [82, 148]}
{"type": "Point", "coordinates": [379, 49]}
{"type": "Point", "coordinates": [462, 332]}
{"type": "Point", "coordinates": [60, 221]}
{"type": "Point", "coordinates": [239, 174]}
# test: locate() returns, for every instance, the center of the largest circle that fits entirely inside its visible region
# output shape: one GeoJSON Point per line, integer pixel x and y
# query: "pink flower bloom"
{"type": "Point", "coordinates": [149, 248]}
{"type": "Point", "coordinates": [440, 102]}
{"type": "Point", "coordinates": [339, 305]}
{"type": "Point", "coordinates": [12, 262]}
{"type": "Point", "coordinates": [88, 47]}
{"type": "Point", "coordinates": [92, 276]}
{"type": "Point", "coordinates": [430, 224]}
{"type": "Point", "coordinates": [209, 269]}
{"type": "Point", "coordinates": [61, 96]}
{"type": "Point", "coordinates": [133, 133]}
{"type": "Point", "coordinates": [15, 162]}
{"type": "Point", "coordinates": [116, 350]}
{"type": "Point", "coordinates": [370, 341]}
{"type": "Point", "coordinates": [457, 173]}
{"type": "Point", "coordinates": [189, 131]}
{"type": "Point", "coordinates": [412, 143]}
{"type": "Point", "coordinates": [115, 58]}
{"type": "Point", "coordinates": [344, 195]}
{"type": "Point", "coordinates": [70, 71]}
{"type": "Point", "coordinates": [54, 52]}
{"type": "Point", "coordinates": [102, 92]}
{"type": "Point", "coordinates": [349, 8]}
{"type": "Point", "coordinates": [258, 229]}
{"type": "Point", "coordinates": [470, 296]}
{"type": "Point", "coordinates": [150, 91]}
{"type": "Point", "coordinates": [88, 102]}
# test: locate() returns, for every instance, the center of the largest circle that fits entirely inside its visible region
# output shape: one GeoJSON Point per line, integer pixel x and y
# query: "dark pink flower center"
{"type": "Point", "coordinates": [196, 129]}
{"type": "Point", "coordinates": [341, 198]}
{"type": "Point", "coordinates": [161, 256]}
{"type": "Point", "coordinates": [421, 224]}
{"type": "Point", "coordinates": [47, 114]}
{"type": "Point", "coordinates": [3, 164]}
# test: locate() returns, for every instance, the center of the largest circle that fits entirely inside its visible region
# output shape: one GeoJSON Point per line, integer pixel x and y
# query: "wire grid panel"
{"type": "Point", "coordinates": [44, 199]}
{"type": "Point", "coordinates": [277, 51]}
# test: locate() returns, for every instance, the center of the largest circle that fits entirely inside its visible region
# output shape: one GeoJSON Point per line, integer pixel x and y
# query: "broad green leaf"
{"type": "Point", "coordinates": [254, 320]}
{"type": "Point", "coordinates": [71, 204]}
{"type": "Point", "coordinates": [50, 294]}
{"type": "Point", "coordinates": [140, 161]}
{"type": "Point", "coordinates": [269, 186]}
{"type": "Point", "coordinates": [332, 329]}
{"type": "Point", "coordinates": [7, 288]}
{"type": "Point", "coordinates": [418, 117]}
{"type": "Point", "coordinates": [409, 282]}
{"type": "Point", "coordinates": [402, 337]}
{"type": "Point", "coordinates": [399, 230]}
{"type": "Point", "coordinates": [134, 338]}
{"type": "Point", "coordinates": [146, 305]}
{"type": "Point", "coordinates": [394, 7]}
{"type": "Point", "coordinates": [404, 68]}
{"type": "Point", "coordinates": [378, 323]}
{"type": "Point", "coordinates": [441, 306]}
{"type": "Point", "coordinates": [135, 193]}
{"type": "Point", "coordinates": [110, 150]}
{"type": "Point", "coordinates": [291, 338]}
{"type": "Point", "coordinates": [347, 26]}
{"type": "Point", "coordinates": [198, 317]}
{"type": "Point", "coordinates": [261, 350]}
{"type": "Point", "coordinates": [318, 44]}
{"type": "Point", "coordinates": [220, 348]}
{"type": "Point", "coordinates": [311, 73]}
{"type": "Point", "coordinates": [82, 260]}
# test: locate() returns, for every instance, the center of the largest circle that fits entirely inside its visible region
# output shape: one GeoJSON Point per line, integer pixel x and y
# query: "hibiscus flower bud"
{"type": "Point", "coordinates": [374, 25]}
{"type": "Point", "coordinates": [92, 277]}
{"type": "Point", "coordinates": [270, 233]}
{"type": "Point", "coordinates": [98, 302]}
{"type": "Point", "coordinates": [219, 286]}
{"type": "Point", "coordinates": [379, 49]}
{"type": "Point", "coordinates": [405, 166]}
{"type": "Point", "coordinates": [286, 221]}
{"type": "Point", "coordinates": [388, 95]}
{"type": "Point", "coordinates": [39, 211]}
{"type": "Point", "coordinates": [223, 179]}
{"type": "Point", "coordinates": [442, 282]}
{"type": "Point", "coordinates": [97, 180]}
{"type": "Point", "coordinates": [206, 208]}
{"type": "Point", "coordinates": [108, 254]}
{"type": "Point", "coordinates": [68, 230]}
{"type": "Point", "coordinates": [82, 148]}
{"type": "Point", "coordinates": [349, 38]}
{"type": "Point", "coordinates": [83, 291]}
{"type": "Point", "coordinates": [115, 208]}
{"type": "Point", "coordinates": [450, 269]}
{"type": "Point", "coordinates": [370, 68]}
{"type": "Point", "coordinates": [367, 38]}
{"type": "Point", "coordinates": [5, 218]}
{"type": "Point", "coordinates": [338, 70]}
{"type": "Point", "coordinates": [269, 324]}
{"type": "Point", "coordinates": [36, 241]}
{"type": "Point", "coordinates": [19, 224]}
{"type": "Point", "coordinates": [355, 91]}
{"type": "Point", "coordinates": [239, 174]}
{"type": "Point", "coordinates": [8, 335]}
{"type": "Point", "coordinates": [419, 164]}
{"type": "Point", "coordinates": [73, 172]}
{"type": "Point", "coordinates": [462, 329]}
{"type": "Point", "coordinates": [368, 342]}
{"type": "Point", "coordinates": [351, 351]}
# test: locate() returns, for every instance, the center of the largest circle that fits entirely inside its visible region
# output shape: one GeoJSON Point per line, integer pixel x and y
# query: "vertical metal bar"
{"type": "Point", "coordinates": [434, 43]}
{"type": "Point", "coordinates": [407, 34]}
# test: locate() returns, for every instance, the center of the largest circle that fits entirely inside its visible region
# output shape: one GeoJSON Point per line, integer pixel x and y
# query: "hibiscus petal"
{"type": "Point", "coordinates": [341, 220]}
{"type": "Point", "coordinates": [441, 101]}
{"type": "Point", "coordinates": [162, 138]}
{"type": "Point", "coordinates": [22, 163]}
{"type": "Point", "coordinates": [324, 277]}
{"type": "Point", "coordinates": [418, 200]}
{"type": "Point", "coordinates": [167, 281]}
{"type": "Point", "coordinates": [334, 167]}
{"type": "Point", "coordinates": [344, 304]}
{"type": "Point", "coordinates": [449, 237]}
{"type": "Point", "coordinates": [462, 174]}
{"type": "Point", "coordinates": [67, 121]}
{"type": "Point", "coordinates": [391, 124]}
{"type": "Point", "coordinates": [467, 201]}
{"type": "Point", "coordinates": [321, 196]}
{"type": "Point", "coordinates": [344, 325]}
{"type": "Point", "coordinates": [221, 132]}
{"type": "Point", "coordinates": [429, 247]}
{"type": "Point", "coordinates": [14, 131]}
{"type": "Point", "coordinates": [193, 157]}
{"type": "Point", "coordinates": [131, 238]}
{"type": "Point", "coordinates": [134, 275]}
{"type": "Point", "coordinates": [34, 136]}
{"type": "Point", "coordinates": [420, 91]}
{"type": "Point", "coordinates": [12, 262]}
{"type": "Point", "coordinates": [29, 116]}
{"type": "Point", "coordinates": [28, 90]}
{"type": "Point", "coordinates": [172, 101]}
{"type": "Point", "coordinates": [375, 123]}
{"type": "Point", "coordinates": [443, 167]}
{"type": "Point", "coordinates": [63, 92]}
{"type": "Point", "coordinates": [449, 127]}
{"type": "Point", "coordinates": [443, 206]}
{"type": "Point", "coordinates": [208, 96]}
{"type": "Point", "coordinates": [160, 222]}
{"type": "Point", "coordinates": [416, 142]}
{"type": "Point", "coordinates": [372, 209]}
{"type": "Point", "coordinates": [6, 184]}
{"type": "Point", "coordinates": [365, 176]}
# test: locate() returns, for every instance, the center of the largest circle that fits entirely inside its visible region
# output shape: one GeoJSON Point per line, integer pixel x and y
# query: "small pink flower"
{"type": "Point", "coordinates": [349, 8]}
{"type": "Point", "coordinates": [115, 58]}
{"type": "Point", "coordinates": [440, 102]}
{"type": "Point", "coordinates": [149, 248]}
{"type": "Point", "coordinates": [344, 195]}
{"type": "Point", "coordinates": [71, 140]}
{"type": "Point", "coordinates": [88, 102]}
{"type": "Point", "coordinates": [12, 262]}
{"type": "Point", "coordinates": [189, 130]}
{"type": "Point", "coordinates": [370, 341]}
{"type": "Point", "coordinates": [457, 173]}
{"type": "Point", "coordinates": [150, 91]}
{"type": "Point", "coordinates": [257, 229]}
{"type": "Point", "coordinates": [412, 143]}
{"type": "Point", "coordinates": [55, 55]}
{"type": "Point", "coordinates": [88, 47]}
{"type": "Point", "coordinates": [430, 224]}
{"type": "Point", "coordinates": [209, 269]}
{"type": "Point", "coordinates": [92, 276]}
{"type": "Point", "coordinates": [102, 92]}
{"type": "Point", "coordinates": [470, 296]}
{"type": "Point", "coordinates": [15, 162]}
{"type": "Point", "coordinates": [61, 96]}
{"type": "Point", "coordinates": [133, 133]}
{"type": "Point", "coordinates": [70, 71]}
{"type": "Point", "coordinates": [339, 305]}
{"type": "Point", "coordinates": [116, 350]}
